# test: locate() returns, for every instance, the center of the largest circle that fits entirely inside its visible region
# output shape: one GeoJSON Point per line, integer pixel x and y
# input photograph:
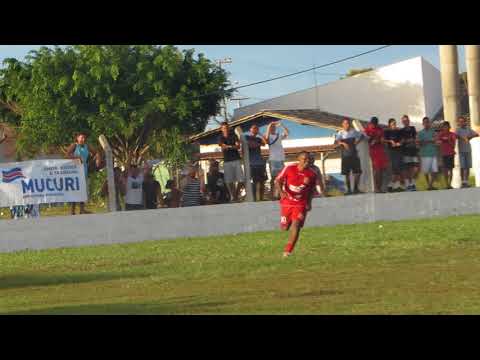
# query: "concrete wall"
{"type": "Point", "coordinates": [389, 91]}
{"type": "Point", "coordinates": [123, 227]}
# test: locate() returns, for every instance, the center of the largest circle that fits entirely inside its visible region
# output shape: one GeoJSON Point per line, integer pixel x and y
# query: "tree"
{"type": "Point", "coordinates": [353, 72]}
{"type": "Point", "coordinates": [129, 93]}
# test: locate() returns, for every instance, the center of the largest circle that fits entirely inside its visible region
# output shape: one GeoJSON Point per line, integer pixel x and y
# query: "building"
{"type": "Point", "coordinates": [410, 87]}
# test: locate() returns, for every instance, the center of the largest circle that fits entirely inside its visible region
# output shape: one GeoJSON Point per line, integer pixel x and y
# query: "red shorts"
{"type": "Point", "coordinates": [379, 158]}
{"type": "Point", "coordinates": [288, 214]}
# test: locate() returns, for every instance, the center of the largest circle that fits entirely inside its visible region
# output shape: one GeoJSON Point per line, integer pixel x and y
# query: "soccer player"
{"type": "Point", "coordinates": [296, 185]}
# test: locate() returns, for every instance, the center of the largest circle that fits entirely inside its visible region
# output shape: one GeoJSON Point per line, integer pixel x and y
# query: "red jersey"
{"type": "Point", "coordinates": [298, 185]}
{"type": "Point", "coordinates": [376, 148]}
{"type": "Point", "coordinates": [375, 134]}
{"type": "Point", "coordinates": [447, 142]}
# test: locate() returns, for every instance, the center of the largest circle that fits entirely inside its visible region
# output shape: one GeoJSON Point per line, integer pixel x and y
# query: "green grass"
{"type": "Point", "coordinates": [409, 267]}
{"type": "Point", "coordinates": [58, 210]}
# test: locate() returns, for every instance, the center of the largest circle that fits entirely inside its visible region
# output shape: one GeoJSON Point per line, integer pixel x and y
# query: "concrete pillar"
{"type": "Point", "coordinates": [450, 94]}
{"type": "Point", "coordinates": [472, 57]}
{"type": "Point", "coordinates": [246, 163]}
{"type": "Point", "coordinates": [112, 199]}
{"type": "Point", "coordinates": [366, 180]}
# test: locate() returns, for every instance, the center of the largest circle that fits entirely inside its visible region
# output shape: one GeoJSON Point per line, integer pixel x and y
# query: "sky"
{"type": "Point", "coordinates": [251, 63]}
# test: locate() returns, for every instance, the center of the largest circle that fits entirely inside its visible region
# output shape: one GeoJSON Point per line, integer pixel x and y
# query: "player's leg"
{"type": "Point", "coordinates": [292, 238]}
{"type": "Point", "coordinates": [297, 218]}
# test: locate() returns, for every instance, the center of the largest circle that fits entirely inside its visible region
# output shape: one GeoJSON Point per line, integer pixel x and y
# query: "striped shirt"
{"type": "Point", "coordinates": [192, 195]}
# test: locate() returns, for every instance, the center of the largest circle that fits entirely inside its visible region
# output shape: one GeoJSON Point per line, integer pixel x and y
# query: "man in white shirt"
{"type": "Point", "coordinates": [134, 189]}
{"type": "Point", "coordinates": [276, 157]}
{"type": "Point", "coordinates": [347, 139]}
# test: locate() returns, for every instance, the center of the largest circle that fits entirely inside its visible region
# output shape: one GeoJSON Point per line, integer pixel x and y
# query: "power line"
{"type": "Point", "coordinates": [311, 69]}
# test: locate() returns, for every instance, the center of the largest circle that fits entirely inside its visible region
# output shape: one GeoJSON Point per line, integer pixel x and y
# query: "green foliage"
{"type": "Point", "coordinates": [126, 92]}
{"type": "Point", "coordinates": [172, 148]}
{"type": "Point", "coordinates": [353, 72]}
{"type": "Point", "coordinates": [95, 182]}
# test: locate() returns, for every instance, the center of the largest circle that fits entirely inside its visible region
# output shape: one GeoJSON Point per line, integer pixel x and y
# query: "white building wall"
{"type": "Point", "coordinates": [386, 92]}
{"type": "Point", "coordinates": [432, 88]}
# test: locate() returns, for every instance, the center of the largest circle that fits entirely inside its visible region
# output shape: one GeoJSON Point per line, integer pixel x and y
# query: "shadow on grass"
{"type": "Point", "coordinates": [169, 308]}
{"type": "Point", "coordinates": [32, 280]}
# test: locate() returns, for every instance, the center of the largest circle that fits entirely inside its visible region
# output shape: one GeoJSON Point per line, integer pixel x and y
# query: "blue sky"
{"type": "Point", "coordinates": [252, 63]}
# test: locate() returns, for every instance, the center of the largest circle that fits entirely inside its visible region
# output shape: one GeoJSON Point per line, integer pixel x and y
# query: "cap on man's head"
{"type": "Point", "coordinates": [374, 120]}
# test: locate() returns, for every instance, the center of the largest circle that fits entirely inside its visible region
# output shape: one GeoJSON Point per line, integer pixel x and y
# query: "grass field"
{"type": "Point", "coordinates": [409, 267]}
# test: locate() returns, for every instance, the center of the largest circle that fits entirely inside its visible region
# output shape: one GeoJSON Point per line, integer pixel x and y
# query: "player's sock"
{"type": "Point", "coordinates": [289, 248]}
{"type": "Point", "coordinates": [407, 183]}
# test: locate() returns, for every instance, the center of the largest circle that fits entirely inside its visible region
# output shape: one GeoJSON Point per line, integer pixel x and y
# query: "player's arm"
{"type": "Point", "coordinates": [286, 133]}
{"type": "Point", "coordinates": [319, 184]}
{"type": "Point", "coordinates": [359, 137]}
{"type": "Point", "coordinates": [4, 137]}
{"type": "Point", "coordinates": [222, 144]}
{"type": "Point", "coordinates": [473, 134]}
{"type": "Point", "coordinates": [310, 197]}
{"type": "Point", "coordinates": [279, 182]}
{"type": "Point", "coordinates": [267, 133]}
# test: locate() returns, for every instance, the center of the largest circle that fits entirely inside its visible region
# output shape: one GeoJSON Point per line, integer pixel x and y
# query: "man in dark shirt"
{"type": "Point", "coordinates": [258, 166]}
{"type": "Point", "coordinates": [217, 191]}
{"type": "Point", "coordinates": [410, 154]}
{"type": "Point", "coordinates": [232, 165]}
{"type": "Point", "coordinates": [151, 191]}
{"type": "Point", "coordinates": [393, 139]}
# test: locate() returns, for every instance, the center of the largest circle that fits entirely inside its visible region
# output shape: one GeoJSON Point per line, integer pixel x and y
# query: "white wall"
{"type": "Point", "coordinates": [432, 86]}
{"type": "Point", "coordinates": [386, 92]}
{"type": "Point", "coordinates": [136, 226]}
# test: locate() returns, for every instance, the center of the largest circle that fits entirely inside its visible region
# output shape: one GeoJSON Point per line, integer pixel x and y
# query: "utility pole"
{"type": "Point", "coordinates": [472, 57]}
{"type": "Point", "coordinates": [450, 94]}
{"type": "Point", "coordinates": [220, 62]}
{"type": "Point", "coordinates": [239, 104]}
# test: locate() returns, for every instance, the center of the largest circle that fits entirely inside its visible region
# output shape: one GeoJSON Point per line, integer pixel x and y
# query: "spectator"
{"type": "Point", "coordinates": [410, 159]}
{"type": "Point", "coordinates": [119, 187]}
{"type": "Point", "coordinates": [216, 189]}
{"type": "Point", "coordinates": [428, 152]}
{"type": "Point", "coordinates": [276, 157]}
{"type": "Point", "coordinates": [258, 170]}
{"type": "Point", "coordinates": [151, 191]}
{"type": "Point", "coordinates": [464, 135]}
{"type": "Point", "coordinates": [134, 189]}
{"type": "Point", "coordinates": [347, 139]}
{"type": "Point", "coordinates": [393, 139]}
{"type": "Point", "coordinates": [319, 185]}
{"type": "Point", "coordinates": [232, 165]}
{"type": "Point", "coordinates": [193, 190]}
{"type": "Point", "coordinates": [173, 196]}
{"type": "Point", "coordinates": [446, 141]}
{"type": "Point", "coordinates": [80, 151]}
{"type": "Point", "coordinates": [377, 152]}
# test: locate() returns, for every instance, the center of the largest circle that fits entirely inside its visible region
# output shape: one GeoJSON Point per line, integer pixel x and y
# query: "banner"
{"type": "Point", "coordinates": [42, 182]}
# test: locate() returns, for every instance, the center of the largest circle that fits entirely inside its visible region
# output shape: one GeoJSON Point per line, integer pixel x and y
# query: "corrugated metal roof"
{"type": "Point", "coordinates": [306, 116]}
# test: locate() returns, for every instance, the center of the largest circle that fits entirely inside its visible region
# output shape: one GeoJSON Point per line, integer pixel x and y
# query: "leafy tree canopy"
{"type": "Point", "coordinates": [129, 93]}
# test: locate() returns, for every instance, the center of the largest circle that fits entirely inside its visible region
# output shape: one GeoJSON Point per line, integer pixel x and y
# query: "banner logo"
{"type": "Point", "coordinates": [11, 175]}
